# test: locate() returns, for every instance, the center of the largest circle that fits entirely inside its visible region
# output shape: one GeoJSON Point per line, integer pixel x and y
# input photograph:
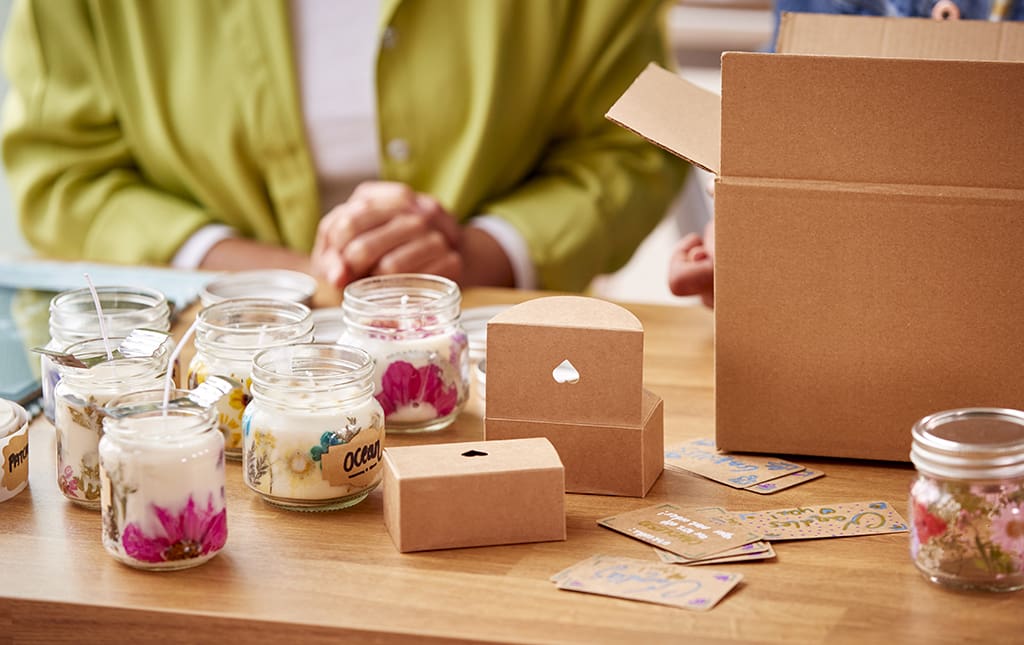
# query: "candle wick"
{"type": "Point", "coordinates": [172, 361]}
{"type": "Point", "coordinates": [99, 312]}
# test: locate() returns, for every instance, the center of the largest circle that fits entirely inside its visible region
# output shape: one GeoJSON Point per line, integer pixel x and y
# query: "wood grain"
{"type": "Point", "coordinates": [336, 577]}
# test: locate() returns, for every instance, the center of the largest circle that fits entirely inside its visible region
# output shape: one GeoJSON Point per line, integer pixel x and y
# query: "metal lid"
{"type": "Point", "coordinates": [970, 444]}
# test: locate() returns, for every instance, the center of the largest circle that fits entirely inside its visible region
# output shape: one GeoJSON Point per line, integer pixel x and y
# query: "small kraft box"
{"type": "Point", "coordinates": [868, 229]}
{"type": "Point", "coordinates": [570, 369]}
{"type": "Point", "coordinates": [453, 495]}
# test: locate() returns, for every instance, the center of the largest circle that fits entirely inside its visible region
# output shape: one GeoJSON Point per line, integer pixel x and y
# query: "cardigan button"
{"type": "Point", "coordinates": [397, 150]}
{"type": "Point", "coordinates": [389, 38]}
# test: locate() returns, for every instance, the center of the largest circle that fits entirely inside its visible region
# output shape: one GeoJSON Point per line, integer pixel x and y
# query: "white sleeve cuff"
{"type": "Point", "coordinates": [190, 254]}
{"type": "Point", "coordinates": [508, 237]}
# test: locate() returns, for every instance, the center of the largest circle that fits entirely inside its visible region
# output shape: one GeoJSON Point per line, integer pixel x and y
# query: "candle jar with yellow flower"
{"type": "Point", "coordinates": [228, 335]}
{"type": "Point", "coordinates": [314, 433]}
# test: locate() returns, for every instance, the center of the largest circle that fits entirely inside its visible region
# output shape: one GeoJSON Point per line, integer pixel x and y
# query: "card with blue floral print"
{"type": "Point", "coordinates": [646, 581]}
{"type": "Point", "coordinates": [811, 521]}
{"type": "Point", "coordinates": [700, 456]}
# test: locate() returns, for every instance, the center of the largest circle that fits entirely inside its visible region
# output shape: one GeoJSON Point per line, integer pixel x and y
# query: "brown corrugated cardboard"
{"type": "Point", "coordinates": [601, 340]}
{"type": "Point", "coordinates": [869, 221]}
{"type": "Point", "coordinates": [598, 458]}
{"type": "Point", "coordinates": [476, 493]}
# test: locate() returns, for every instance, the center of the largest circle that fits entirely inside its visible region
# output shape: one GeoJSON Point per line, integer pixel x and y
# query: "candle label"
{"type": "Point", "coordinates": [15, 466]}
{"type": "Point", "coordinates": [356, 457]}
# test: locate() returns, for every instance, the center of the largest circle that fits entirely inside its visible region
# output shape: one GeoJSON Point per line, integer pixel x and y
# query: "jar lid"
{"type": "Point", "coordinates": [970, 443]}
{"type": "Point", "coordinates": [278, 284]}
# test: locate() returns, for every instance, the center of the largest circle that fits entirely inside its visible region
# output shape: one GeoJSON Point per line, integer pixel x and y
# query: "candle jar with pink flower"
{"type": "Point", "coordinates": [409, 324]}
{"type": "Point", "coordinates": [162, 482]}
{"type": "Point", "coordinates": [967, 504]}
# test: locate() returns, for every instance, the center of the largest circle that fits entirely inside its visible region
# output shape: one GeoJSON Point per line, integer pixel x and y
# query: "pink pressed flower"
{"type": "Point", "coordinates": [70, 483]}
{"type": "Point", "coordinates": [1008, 530]}
{"type": "Point", "coordinates": [404, 385]}
{"type": "Point", "coordinates": [926, 525]}
{"type": "Point", "coordinates": [189, 535]}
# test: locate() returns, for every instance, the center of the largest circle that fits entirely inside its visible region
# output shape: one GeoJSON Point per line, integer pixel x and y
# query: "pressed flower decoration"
{"type": "Point", "coordinates": [192, 533]}
{"type": "Point", "coordinates": [404, 386]}
{"type": "Point", "coordinates": [968, 531]}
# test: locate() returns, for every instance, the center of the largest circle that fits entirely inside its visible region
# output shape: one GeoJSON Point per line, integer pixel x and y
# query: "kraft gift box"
{"type": "Point", "coordinates": [444, 496]}
{"type": "Point", "coordinates": [868, 229]}
{"type": "Point", "coordinates": [570, 369]}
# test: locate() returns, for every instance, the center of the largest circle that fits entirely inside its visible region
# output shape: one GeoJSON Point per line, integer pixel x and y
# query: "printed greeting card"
{"type": "Point", "coordinates": [825, 521]}
{"type": "Point", "coordinates": [739, 471]}
{"type": "Point", "coordinates": [692, 534]}
{"type": "Point", "coordinates": [645, 581]}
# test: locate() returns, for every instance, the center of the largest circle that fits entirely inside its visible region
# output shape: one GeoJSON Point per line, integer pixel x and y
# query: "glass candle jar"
{"type": "Point", "coordinates": [409, 324]}
{"type": "Point", "coordinates": [228, 334]}
{"type": "Point", "coordinates": [163, 501]}
{"type": "Point", "coordinates": [967, 504]}
{"type": "Point", "coordinates": [78, 416]}
{"type": "Point", "coordinates": [73, 319]}
{"type": "Point", "coordinates": [13, 449]}
{"type": "Point", "coordinates": [313, 431]}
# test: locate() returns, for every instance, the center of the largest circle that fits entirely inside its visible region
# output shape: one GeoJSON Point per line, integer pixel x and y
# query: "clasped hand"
{"type": "Point", "coordinates": [385, 228]}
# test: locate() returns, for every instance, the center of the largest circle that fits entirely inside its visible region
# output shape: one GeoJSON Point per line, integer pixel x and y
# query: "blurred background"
{"type": "Point", "coordinates": [700, 30]}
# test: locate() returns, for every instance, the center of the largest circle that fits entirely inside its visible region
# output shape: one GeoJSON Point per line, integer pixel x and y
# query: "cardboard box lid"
{"type": "Point", "coordinates": [472, 458]}
{"type": "Point", "coordinates": [813, 33]}
{"type": "Point", "coordinates": [530, 345]}
{"type": "Point", "coordinates": [849, 119]}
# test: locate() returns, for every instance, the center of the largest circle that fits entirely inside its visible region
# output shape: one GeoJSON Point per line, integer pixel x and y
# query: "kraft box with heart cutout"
{"type": "Point", "coordinates": [477, 493]}
{"type": "Point", "coordinates": [570, 368]}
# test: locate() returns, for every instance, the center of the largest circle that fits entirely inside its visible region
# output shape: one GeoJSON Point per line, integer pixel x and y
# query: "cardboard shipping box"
{"type": "Point", "coordinates": [869, 231]}
{"type": "Point", "coordinates": [476, 493]}
{"type": "Point", "coordinates": [570, 369]}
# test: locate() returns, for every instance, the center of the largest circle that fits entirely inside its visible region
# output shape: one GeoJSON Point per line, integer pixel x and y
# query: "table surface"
{"type": "Point", "coordinates": [336, 576]}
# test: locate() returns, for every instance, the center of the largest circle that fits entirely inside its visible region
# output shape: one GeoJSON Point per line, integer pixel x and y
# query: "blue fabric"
{"type": "Point", "coordinates": [969, 9]}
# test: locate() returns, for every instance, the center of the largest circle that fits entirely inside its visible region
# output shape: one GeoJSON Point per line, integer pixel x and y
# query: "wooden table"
{"type": "Point", "coordinates": [336, 577]}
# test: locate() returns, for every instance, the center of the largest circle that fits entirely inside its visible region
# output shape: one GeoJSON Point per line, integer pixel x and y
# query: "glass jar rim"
{"type": "Point", "coordinates": [970, 443]}
{"type": "Point", "coordinates": [431, 300]}
{"type": "Point", "coordinates": [149, 306]}
{"type": "Point", "coordinates": [13, 418]}
{"type": "Point", "coordinates": [262, 316]}
{"type": "Point", "coordinates": [133, 366]}
{"type": "Point", "coordinates": [120, 427]}
{"type": "Point", "coordinates": [278, 373]}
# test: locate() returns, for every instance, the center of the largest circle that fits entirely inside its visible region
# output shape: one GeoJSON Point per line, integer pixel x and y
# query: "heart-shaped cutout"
{"type": "Point", "coordinates": [565, 373]}
{"type": "Point", "coordinates": [474, 453]}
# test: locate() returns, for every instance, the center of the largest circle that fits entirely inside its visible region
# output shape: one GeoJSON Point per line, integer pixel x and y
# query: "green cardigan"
{"type": "Point", "coordinates": [130, 125]}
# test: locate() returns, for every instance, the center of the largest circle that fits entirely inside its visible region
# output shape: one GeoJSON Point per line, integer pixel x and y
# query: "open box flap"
{"type": "Point", "coordinates": [809, 33]}
{"type": "Point", "coordinates": [873, 120]}
{"type": "Point", "coordinates": [673, 113]}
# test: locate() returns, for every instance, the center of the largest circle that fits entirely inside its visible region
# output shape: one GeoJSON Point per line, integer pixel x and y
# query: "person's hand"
{"type": "Point", "coordinates": [691, 269]}
{"type": "Point", "coordinates": [384, 228]}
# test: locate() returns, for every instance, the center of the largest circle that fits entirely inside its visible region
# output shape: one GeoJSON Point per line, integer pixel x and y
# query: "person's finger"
{"type": "Point", "coordinates": [387, 195]}
{"type": "Point", "coordinates": [412, 256]}
{"type": "Point", "coordinates": [688, 278]}
{"type": "Point", "coordinates": [439, 218]}
{"type": "Point", "coordinates": [449, 266]}
{"type": "Point", "coordinates": [366, 250]}
{"type": "Point", "coordinates": [348, 221]}
{"type": "Point", "coordinates": [946, 10]}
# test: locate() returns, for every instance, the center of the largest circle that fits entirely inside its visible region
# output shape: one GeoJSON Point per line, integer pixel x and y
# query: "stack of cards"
{"type": "Point", "coordinates": [664, 584]}
{"type": "Point", "coordinates": [715, 535]}
{"type": "Point", "coordinates": [757, 474]}
{"type": "Point", "coordinates": [692, 536]}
